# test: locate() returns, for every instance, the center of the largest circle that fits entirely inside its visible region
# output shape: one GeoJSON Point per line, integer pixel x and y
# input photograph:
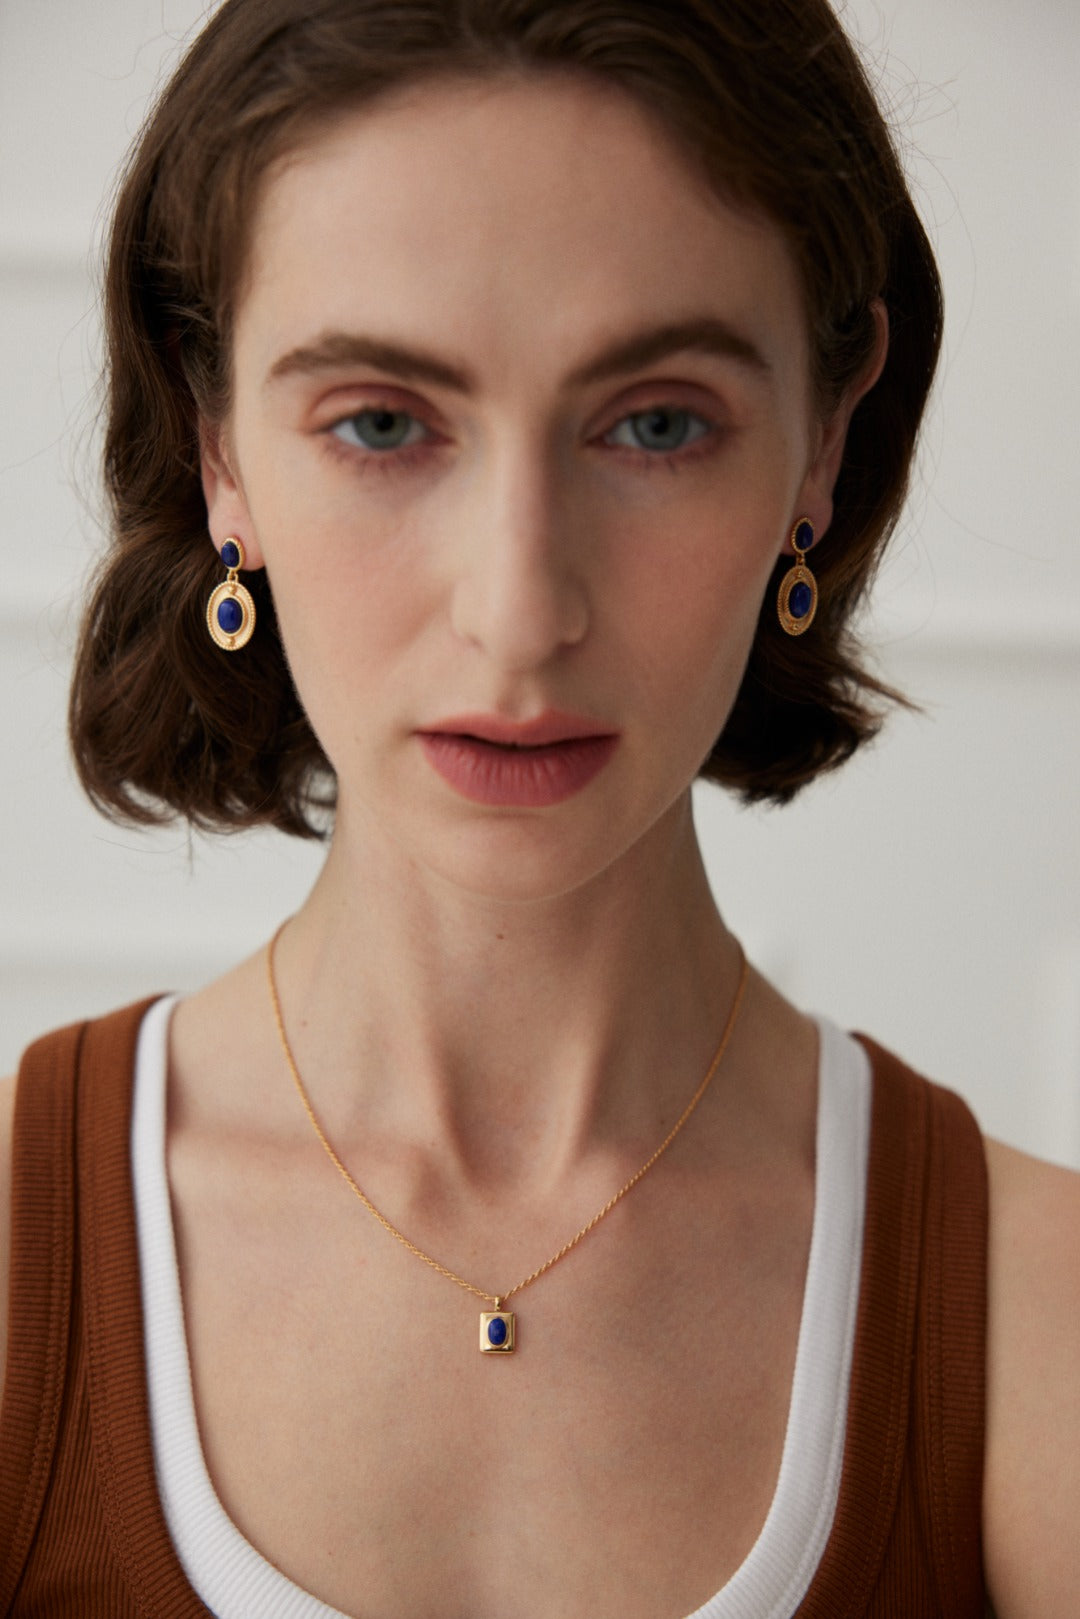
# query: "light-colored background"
{"type": "Point", "coordinates": [931, 893]}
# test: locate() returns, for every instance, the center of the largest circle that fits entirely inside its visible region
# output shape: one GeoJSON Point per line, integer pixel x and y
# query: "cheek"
{"type": "Point", "coordinates": [695, 608]}
{"type": "Point", "coordinates": [351, 599]}
{"type": "Point", "coordinates": [346, 616]}
{"type": "Point", "coordinates": [334, 559]}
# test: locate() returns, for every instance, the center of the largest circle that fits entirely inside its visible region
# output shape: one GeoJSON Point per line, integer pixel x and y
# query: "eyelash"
{"type": "Point", "coordinates": [392, 460]}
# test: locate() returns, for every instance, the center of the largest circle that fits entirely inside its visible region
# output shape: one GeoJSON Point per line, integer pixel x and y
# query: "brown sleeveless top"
{"type": "Point", "coordinates": [82, 1532]}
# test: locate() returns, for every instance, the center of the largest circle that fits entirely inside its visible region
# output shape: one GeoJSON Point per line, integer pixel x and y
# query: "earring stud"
{"type": "Point", "coordinates": [230, 612]}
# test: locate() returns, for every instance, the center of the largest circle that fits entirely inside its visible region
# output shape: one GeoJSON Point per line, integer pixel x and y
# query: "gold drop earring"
{"type": "Point", "coordinates": [230, 612]}
{"type": "Point", "coordinates": [797, 602]}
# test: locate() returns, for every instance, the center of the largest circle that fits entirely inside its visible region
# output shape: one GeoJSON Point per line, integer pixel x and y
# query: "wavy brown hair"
{"type": "Point", "coordinates": [768, 96]}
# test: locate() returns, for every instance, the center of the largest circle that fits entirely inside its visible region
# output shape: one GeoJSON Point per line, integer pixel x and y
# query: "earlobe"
{"type": "Point", "coordinates": [226, 507]}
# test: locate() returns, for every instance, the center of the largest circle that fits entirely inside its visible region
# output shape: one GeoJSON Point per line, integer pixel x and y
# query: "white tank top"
{"type": "Point", "coordinates": [236, 1582]}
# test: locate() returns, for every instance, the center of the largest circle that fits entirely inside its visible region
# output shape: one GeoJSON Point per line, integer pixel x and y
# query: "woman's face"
{"type": "Point", "coordinates": [521, 422]}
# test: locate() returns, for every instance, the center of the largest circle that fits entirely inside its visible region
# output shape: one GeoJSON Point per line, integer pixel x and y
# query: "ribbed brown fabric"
{"type": "Point", "coordinates": [907, 1539]}
{"type": "Point", "coordinates": [82, 1533]}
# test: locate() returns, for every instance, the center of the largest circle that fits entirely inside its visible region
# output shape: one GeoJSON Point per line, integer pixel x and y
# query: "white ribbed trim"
{"type": "Point", "coordinates": [236, 1582]}
{"type": "Point", "coordinates": [783, 1560]}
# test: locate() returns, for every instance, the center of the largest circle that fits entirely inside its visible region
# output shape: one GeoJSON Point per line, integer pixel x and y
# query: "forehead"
{"type": "Point", "coordinates": [502, 216]}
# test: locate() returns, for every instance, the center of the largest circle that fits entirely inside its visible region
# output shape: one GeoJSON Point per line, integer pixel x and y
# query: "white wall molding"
{"type": "Point", "coordinates": [1031, 634]}
{"type": "Point", "coordinates": [40, 950]}
{"type": "Point", "coordinates": [31, 615]}
{"type": "Point", "coordinates": [52, 254]}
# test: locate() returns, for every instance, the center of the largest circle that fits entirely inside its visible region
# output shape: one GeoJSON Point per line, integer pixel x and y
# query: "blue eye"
{"type": "Point", "coordinates": [377, 428]}
{"type": "Point", "coordinates": [384, 439]}
{"type": "Point", "coordinates": [662, 428]}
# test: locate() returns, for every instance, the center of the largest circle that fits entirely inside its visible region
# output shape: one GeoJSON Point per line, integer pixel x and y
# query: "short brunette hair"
{"type": "Point", "coordinates": [768, 96]}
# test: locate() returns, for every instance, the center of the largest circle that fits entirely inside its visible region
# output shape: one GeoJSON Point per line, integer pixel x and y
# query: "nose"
{"type": "Point", "coordinates": [520, 591]}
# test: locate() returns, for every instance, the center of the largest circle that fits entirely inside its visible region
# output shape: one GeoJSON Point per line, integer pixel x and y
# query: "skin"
{"type": "Point", "coordinates": [500, 1012]}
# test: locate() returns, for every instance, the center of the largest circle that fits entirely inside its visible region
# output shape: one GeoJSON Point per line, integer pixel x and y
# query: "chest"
{"type": "Point", "coordinates": [622, 1460]}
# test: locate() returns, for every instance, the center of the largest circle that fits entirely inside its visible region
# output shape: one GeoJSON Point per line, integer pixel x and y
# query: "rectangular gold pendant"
{"type": "Point", "coordinates": [497, 1332]}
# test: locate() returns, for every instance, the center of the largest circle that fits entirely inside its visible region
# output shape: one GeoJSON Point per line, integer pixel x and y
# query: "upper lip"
{"type": "Point", "coordinates": [553, 725]}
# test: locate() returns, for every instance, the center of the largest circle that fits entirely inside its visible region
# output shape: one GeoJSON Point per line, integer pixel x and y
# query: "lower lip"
{"type": "Point", "coordinates": [524, 778]}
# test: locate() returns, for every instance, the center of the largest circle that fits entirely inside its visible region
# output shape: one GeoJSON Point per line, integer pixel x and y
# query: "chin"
{"type": "Point", "coordinates": [530, 858]}
{"type": "Point", "coordinates": [526, 863]}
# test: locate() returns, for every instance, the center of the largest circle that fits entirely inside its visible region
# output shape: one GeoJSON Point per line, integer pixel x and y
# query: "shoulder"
{"type": "Point", "coordinates": [1031, 1501]}
{"type": "Point", "coordinates": [7, 1119]}
{"type": "Point", "coordinates": [47, 1131]}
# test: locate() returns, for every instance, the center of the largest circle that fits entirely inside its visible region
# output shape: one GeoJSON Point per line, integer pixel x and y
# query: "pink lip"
{"type": "Point", "coordinates": [525, 764]}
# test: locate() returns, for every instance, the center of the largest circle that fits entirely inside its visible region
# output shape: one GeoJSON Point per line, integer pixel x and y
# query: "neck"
{"type": "Point", "coordinates": [510, 1038]}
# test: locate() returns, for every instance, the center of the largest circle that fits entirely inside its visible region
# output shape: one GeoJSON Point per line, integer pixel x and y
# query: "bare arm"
{"type": "Point", "coordinates": [7, 1115]}
{"type": "Point", "coordinates": [1031, 1500]}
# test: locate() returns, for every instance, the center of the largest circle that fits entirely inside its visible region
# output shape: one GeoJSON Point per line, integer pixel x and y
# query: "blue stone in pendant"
{"type": "Point", "coordinates": [800, 600]}
{"type": "Point", "coordinates": [804, 538]}
{"type": "Point", "coordinates": [497, 1331]}
{"type": "Point", "coordinates": [230, 554]}
{"type": "Point", "coordinates": [230, 615]}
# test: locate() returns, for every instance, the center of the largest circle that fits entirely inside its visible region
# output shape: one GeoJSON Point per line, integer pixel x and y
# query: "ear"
{"type": "Point", "coordinates": [816, 496]}
{"type": "Point", "coordinates": [226, 505]}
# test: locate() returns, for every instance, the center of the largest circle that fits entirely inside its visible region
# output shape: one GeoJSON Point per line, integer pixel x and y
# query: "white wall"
{"type": "Point", "coordinates": [931, 893]}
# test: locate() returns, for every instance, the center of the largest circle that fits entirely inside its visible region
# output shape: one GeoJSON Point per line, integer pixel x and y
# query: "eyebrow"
{"type": "Point", "coordinates": [702, 335]}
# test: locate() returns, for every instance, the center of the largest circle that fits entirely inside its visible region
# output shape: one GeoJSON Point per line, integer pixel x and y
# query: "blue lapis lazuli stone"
{"type": "Point", "coordinates": [800, 600]}
{"type": "Point", "coordinates": [497, 1331]}
{"type": "Point", "coordinates": [230, 615]}
{"type": "Point", "coordinates": [230, 554]}
{"type": "Point", "coordinates": [804, 539]}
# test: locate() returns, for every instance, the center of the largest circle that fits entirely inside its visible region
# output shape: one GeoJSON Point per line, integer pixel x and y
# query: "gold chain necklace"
{"type": "Point", "coordinates": [498, 1329]}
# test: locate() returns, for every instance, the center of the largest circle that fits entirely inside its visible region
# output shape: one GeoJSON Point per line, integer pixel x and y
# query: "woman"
{"type": "Point", "coordinates": [484, 379]}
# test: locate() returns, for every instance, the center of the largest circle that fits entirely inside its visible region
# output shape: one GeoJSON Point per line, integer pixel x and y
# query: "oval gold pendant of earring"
{"type": "Point", "coordinates": [797, 602]}
{"type": "Point", "coordinates": [230, 615]}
